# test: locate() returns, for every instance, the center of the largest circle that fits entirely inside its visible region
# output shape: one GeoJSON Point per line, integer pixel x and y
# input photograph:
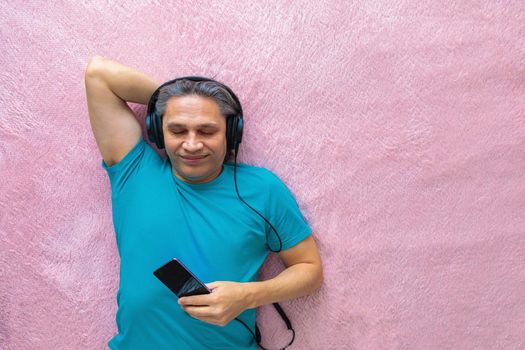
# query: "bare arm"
{"type": "Point", "coordinates": [303, 276]}
{"type": "Point", "coordinates": [109, 85]}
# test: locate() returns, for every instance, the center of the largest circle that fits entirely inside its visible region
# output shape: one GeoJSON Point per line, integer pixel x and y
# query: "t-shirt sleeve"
{"type": "Point", "coordinates": [285, 216]}
{"type": "Point", "coordinates": [123, 172]}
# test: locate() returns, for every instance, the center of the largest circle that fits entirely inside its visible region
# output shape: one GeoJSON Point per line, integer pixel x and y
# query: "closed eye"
{"type": "Point", "coordinates": [206, 133]}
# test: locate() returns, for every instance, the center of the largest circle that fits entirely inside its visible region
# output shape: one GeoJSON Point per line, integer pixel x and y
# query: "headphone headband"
{"type": "Point", "coordinates": [155, 95]}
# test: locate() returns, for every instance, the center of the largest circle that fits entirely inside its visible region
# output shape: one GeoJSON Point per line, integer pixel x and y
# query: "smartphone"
{"type": "Point", "coordinates": [180, 280]}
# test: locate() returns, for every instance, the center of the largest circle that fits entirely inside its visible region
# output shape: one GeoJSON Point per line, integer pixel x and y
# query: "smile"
{"type": "Point", "coordinates": [192, 159]}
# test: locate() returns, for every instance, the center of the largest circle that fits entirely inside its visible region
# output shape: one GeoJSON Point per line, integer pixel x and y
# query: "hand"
{"type": "Point", "coordinates": [227, 301]}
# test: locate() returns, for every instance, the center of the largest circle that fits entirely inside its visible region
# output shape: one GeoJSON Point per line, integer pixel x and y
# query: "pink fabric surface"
{"type": "Point", "coordinates": [399, 127]}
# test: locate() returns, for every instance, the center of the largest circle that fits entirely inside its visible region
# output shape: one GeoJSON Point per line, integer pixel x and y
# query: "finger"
{"type": "Point", "coordinates": [214, 319]}
{"type": "Point", "coordinates": [199, 311]}
{"type": "Point", "coordinates": [199, 300]}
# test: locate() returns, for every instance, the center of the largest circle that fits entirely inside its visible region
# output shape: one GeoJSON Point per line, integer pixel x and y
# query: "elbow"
{"type": "Point", "coordinates": [93, 66]}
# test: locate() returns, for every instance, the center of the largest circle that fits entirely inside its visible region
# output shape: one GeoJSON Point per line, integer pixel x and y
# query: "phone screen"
{"type": "Point", "coordinates": [180, 280]}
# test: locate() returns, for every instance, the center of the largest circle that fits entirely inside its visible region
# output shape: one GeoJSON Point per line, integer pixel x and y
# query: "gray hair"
{"type": "Point", "coordinates": [211, 89]}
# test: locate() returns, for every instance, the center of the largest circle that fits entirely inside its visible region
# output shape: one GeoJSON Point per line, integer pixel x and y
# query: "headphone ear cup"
{"type": "Point", "coordinates": [159, 133]}
{"type": "Point", "coordinates": [238, 132]}
{"type": "Point", "coordinates": [234, 130]}
{"type": "Point", "coordinates": [229, 134]}
{"type": "Point", "coordinates": [154, 134]}
{"type": "Point", "coordinates": [149, 127]}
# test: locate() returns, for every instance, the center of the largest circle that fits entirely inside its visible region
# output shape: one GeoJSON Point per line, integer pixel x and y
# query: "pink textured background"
{"type": "Point", "coordinates": [399, 126]}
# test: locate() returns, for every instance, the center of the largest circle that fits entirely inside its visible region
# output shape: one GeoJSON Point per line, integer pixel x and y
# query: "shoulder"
{"type": "Point", "coordinates": [258, 178]}
{"type": "Point", "coordinates": [247, 172]}
{"type": "Point", "coordinates": [139, 159]}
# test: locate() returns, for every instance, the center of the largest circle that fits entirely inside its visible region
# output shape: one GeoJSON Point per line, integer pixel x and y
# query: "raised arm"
{"type": "Point", "coordinates": [109, 85]}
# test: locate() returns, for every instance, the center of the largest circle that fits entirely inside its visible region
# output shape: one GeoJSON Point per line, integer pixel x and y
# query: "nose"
{"type": "Point", "coordinates": [192, 143]}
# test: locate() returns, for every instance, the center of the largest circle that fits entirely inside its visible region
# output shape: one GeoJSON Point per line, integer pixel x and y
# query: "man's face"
{"type": "Point", "coordinates": [194, 137]}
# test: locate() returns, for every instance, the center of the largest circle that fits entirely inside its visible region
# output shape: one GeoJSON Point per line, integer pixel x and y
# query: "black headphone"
{"type": "Point", "coordinates": [234, 127]}
{"type": "Point", "coordinates": [234, 123]}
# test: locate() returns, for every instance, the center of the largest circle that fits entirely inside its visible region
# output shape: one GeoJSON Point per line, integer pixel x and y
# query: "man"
{"type": "Point", "coordinates": [186, 207]}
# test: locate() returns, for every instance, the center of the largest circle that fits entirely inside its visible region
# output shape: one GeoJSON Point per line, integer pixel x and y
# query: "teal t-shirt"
{"type": "Point", "coordinates": [158, 217]}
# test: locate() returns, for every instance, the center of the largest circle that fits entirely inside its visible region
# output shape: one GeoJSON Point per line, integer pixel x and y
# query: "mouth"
{"type": "Point", "coordinates": [193, 159]}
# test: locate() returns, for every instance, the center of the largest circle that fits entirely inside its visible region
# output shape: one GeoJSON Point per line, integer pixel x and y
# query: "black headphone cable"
{"type": "Point", "coordinates": [257, 336]}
